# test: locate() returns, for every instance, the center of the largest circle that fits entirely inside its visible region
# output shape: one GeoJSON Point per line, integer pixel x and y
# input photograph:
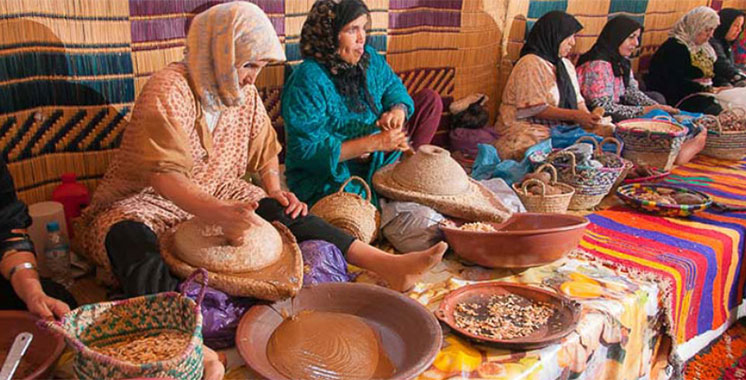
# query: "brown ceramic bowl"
{"type": "Point", "coordinates": [45, 347]}
{"type": "Point", "coordinates": [525, 240]}
{"type": "Point", "coordinates": [563, 322]}
{"type": "Point", "coordinates": [410, 334]}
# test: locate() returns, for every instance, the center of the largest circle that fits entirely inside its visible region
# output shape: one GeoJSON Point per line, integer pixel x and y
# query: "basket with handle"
{"type": "Point", "coordinates": [651, 142]}
{"type": "Point", "coordinates": [591, 184]}
{"type": "Point", "coordinates": [627, 165]}
{"type": "Point", "coordinates": [108, 323]}
{"type": "Point", "coordinates": [723, 141]}
{"type": "Point", "coordinates": [554, 203]}
{"type": "Point", "coordinates": [350, 212]}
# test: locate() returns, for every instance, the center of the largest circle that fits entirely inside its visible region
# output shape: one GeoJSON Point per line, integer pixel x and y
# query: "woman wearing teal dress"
{"type": "Point", "coordinates": [345, 110]}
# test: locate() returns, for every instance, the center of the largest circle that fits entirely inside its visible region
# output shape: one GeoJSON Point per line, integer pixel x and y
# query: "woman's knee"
{"type": "Point", "coordinates": [430, 99]}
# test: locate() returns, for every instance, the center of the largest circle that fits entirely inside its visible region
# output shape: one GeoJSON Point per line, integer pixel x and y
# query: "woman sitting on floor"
{"type": "Point", "coordinates": [727, 73]}
{"type": "Point", "coordinates": [542, 90]}
{"type": "Point", "coordinates": [683, 67]}
{"type": "Point", "coordinates": [346, 112]}
{"type": "Point", "coordinates": [196, 128]}
{"type": "Point", "coordinates": [20, 286]}
{"type": "Point", "coordinates": [606, 80]}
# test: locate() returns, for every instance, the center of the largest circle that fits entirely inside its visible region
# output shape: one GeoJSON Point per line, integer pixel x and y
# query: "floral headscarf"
{"type": "Point", "coordinates": [319, 40]}
{"type": "Point", "coordinates": [686, 29]}
{"type": "Point", "coordinates": [219, 40]}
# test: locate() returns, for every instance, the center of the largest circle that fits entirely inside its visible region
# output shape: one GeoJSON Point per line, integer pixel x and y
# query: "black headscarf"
{"type": "Point", "coordinates": [606, 47]}
{"type": "Point", "coordinates": [544, 40]}
{"type": "Point", "coordinates": [727, 17]}
{"type": "Point", "coordinates": [319, 40]}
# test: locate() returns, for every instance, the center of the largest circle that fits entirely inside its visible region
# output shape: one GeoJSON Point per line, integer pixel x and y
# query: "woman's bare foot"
{"type": "Point", "coordinates": [691, 147]}
{"type": "Point", "coordinates": [214, 368]}
{"type": "Point", "coordinates": [405, 270]}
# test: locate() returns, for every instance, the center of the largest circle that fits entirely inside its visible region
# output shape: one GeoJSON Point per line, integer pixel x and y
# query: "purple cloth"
{"type": "Point", "coordinates": [323, 262]}
{"type": "Point", "coordinates": [465, 140]}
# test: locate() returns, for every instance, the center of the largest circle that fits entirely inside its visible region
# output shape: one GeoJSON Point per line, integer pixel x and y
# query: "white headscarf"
{"type": "Point", "coordinates": [686, 29]}
{"type": "Point", "coordinates": [220, 39]}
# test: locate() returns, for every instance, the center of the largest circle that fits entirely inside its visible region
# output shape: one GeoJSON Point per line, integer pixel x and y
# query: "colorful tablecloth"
{"type": "Point", "coordinates": [616, 337]}
{"type": "Point", "coordinates": [696, 260]}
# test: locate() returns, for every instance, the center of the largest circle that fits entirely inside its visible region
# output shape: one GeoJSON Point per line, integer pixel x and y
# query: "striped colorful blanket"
{"type": "Point", "coordinates": [697, 260]}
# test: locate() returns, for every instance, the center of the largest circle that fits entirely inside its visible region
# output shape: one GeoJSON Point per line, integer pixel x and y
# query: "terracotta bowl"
{"type": "Point", "coordinates": [563, 322]}
{"type": "Point", "coordinates": [525, 240]}
{"type": "Point", "coordinates": [410, 334]}
{"type": "Point", "coordinates": [45, 347]}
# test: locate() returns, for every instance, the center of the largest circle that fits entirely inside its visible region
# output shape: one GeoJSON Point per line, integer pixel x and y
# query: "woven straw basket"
{"type": "Point", "coordinates": [107, 323]}
{"type": "Point", "coordinates": [725, 145]}
{"type": "Point", "coordinates": [627, 165]}
{"type": "Point", "coordinates": [350, 212]}
{"type": "Point", "coordinates": [556, 203]}
{"type": "Point", "coordinates": [651, 142]}
{"type": "Point", "coordinates": [591, 184]}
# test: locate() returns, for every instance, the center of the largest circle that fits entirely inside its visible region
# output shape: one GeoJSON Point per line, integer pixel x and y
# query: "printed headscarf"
{"type": "Point", "coordinates": [220, 40]}
{"type": "Point", "coordinates": [685, 31]}
{"type": "Point", "coordinates": [544, 40]}
{"type": "Point", "coordinates": [319, 40]}
{"type": "Point", "coordinates": [606, 48]}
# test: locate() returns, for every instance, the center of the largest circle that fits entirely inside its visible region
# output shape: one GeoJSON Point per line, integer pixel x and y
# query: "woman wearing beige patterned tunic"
{"type": "Point", "coordinates": [542, 90]}
{"type": "Point", "coordinates": [197, 127]}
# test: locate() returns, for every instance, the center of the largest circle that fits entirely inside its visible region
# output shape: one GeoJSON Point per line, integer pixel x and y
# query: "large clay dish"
{"type": "Point", "coordinates": [45, 347]}
{"type": "Point", "coordinates": [410, 334]}
{"type": "Point", "coordinates": [559, 325]}
{"type": "Point", "coordinates": [525, 240]}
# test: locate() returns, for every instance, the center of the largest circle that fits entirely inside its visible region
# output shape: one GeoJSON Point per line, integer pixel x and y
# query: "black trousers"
{"type": "Point", "coordinates": [135, 257]}
{"type": "Point", "coordinates": [9, 300]}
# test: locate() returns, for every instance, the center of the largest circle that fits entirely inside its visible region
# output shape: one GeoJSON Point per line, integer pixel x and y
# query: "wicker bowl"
{"type": "Point", "coordinates": [350, 212]}
{"type": "Point", "coordinates": [651, 142]}
{"type": "Point", "coordinates": [630, 194]}
{"type": "Point", "coordinates": [722, 143]}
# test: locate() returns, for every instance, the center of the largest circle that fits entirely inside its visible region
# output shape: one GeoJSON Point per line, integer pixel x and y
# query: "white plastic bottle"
{"type": "Point", "coordinates": [57, 255]}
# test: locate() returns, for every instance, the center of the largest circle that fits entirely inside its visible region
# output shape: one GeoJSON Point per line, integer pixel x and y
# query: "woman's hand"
{"type": "Point", "coordinates": [390, 140]}
{"type": "Point", "coordinates": [235, 218]}
{"type": "Point", "coordinates": [293, 206]}
{"type": "Point", "coordinates": [662, 107]}
{"type": "Point", "coordinates": [716, 90]}
{"type": "Point", "coordinates": [586, 119]}
{"type": "Point", "coordinates": [392, 119]}
{"type": "Point", "coordinates": [45, 306]}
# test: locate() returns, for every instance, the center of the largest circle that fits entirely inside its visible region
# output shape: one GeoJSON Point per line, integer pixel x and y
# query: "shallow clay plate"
{"type": "Point", "coordinates": [563, 322]}
{"type": "Point", "coordinates": [45, 347]}
{"type": "Point", "coordinates": [410, 334]}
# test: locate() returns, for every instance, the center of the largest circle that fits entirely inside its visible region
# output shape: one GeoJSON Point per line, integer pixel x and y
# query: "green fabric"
{"type": "Point", "coordinates": [317, 122]}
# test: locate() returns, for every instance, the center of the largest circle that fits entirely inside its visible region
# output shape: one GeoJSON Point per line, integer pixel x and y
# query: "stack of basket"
{"type": "Point", "coordinates": [651, 142]}
{"type": "Point", "coordinates": [726, 134]}
{"type": "Point", "coordinates": [591, 184]}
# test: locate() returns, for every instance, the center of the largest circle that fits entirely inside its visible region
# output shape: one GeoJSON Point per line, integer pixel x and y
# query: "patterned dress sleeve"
{"type": "Point", "coordinates": [263, 145]}
{"type": "Point", "coordinates": [597, 86]}
{"type": "Point", "coordinates": [163, 114]}
{"type": "Point", "coordinates": [633, 96]}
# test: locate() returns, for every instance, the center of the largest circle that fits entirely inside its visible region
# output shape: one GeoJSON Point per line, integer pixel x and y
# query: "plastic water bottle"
{"type": "Point", "coordinates": [57, 255]}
